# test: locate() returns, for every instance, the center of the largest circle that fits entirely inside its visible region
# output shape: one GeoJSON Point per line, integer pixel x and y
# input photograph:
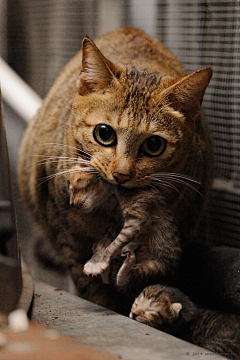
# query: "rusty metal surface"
{"type": "Point", "coordinates": [40, 343]}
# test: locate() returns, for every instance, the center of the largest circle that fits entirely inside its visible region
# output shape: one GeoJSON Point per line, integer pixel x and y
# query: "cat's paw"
{"type": "Point", "coordinates": [94, 269]}
{"type": "Point", "coordinates": [124, 273]}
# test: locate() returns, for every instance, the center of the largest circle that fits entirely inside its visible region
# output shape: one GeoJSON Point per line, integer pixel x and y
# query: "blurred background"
{"type": "Point", "coordinates": [39, 36]}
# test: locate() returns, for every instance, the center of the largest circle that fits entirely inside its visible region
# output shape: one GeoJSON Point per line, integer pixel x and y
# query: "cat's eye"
{"type": "Point", "coordinates": [153, 146]}
{"type": "Point", "coordinates": [105, 135]}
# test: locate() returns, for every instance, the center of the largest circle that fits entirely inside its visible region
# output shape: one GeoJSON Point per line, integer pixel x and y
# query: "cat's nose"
{"type": "Point", "coordinates": [135, 313]}
{"type": "Point", "coordinates": [121, 178]}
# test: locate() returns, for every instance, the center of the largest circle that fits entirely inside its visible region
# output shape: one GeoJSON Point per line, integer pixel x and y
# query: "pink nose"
{"type": "Point", "coordinates": [136, 312]}
{"type": "Point", "coordinates": [121, 178]}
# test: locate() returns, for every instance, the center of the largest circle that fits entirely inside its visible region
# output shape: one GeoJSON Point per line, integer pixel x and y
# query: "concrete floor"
{"type": "Point", "coordinates": [108, 331]}
{"type": "Point", "coordinates": [87, 322]}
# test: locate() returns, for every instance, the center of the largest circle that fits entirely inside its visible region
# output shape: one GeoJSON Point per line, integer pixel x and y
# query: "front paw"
{"type": "Point", "coordinates": [94, 269]}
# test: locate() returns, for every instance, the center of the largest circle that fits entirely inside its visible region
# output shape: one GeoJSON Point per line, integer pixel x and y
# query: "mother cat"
{"type": "Point", "coordinates": [133, 122]}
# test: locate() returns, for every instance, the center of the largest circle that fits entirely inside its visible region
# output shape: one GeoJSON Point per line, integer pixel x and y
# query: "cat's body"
{"type": "Point", "coordinates": [170, 310]}
{"type": "Point", "coordinates": [134, 121]}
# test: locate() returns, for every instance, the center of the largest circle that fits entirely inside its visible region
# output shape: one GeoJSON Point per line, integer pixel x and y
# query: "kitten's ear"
{"type": "Point", "coordinates": [97, 72]}
{"type": "Point", "coordinates": [176, 307]}
{"type": "Point", "coordinates": [186, 93]}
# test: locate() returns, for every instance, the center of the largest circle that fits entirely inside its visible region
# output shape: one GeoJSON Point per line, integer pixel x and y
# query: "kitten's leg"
{"type": "Point", "coordinates": [131, 272]}
{"type": "Point", "coordinates": [124, 271]}
{"type": "Point", "coordinates": [95, 266]}
{"type": "Point", "coordinates": [102, 258]}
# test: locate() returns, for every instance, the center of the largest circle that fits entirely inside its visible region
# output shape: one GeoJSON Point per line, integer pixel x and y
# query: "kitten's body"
{"type": "Point", "coordinates": [146, 96]}
{"type": "Point", "coordinates": [146, 221]}
{"type": "Point", "coordinates": [169, 310]}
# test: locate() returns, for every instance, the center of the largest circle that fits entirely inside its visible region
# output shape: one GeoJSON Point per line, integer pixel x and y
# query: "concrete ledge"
{"type": "Point", "coordinates": [113, 333]}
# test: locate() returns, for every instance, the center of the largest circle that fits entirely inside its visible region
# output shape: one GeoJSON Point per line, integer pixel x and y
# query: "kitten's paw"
{"type": "Point", "coordinates": [124, 273]}
{"type": "Point", "coordinates": [130, 259]}
{"type": "Point", "coordinates": [94, 269]}
{"type": "Point", "coordinates": [129, 248]}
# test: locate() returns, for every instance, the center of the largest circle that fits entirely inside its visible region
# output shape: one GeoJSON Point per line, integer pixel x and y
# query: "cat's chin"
{"type": "Point", "coordinates": [127, 185]}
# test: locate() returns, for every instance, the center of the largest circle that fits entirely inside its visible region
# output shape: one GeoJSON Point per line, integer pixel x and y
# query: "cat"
{"type": "Point", "coordinates": [170, 310]}
{"type": "Point", "coordinates": [132, 124]}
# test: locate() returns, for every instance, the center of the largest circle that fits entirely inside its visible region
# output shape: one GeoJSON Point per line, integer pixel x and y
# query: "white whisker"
{"type": "Point", "coordinates": [63, 172]}
{"type": "Point", "coordinates": [67, 160]}
{"type": "Point", "coordinates": [166, 185]}
{"type": "Point", "coordinates": [168, 179]}
{"type": "Point", "coordinates": [78, 151]}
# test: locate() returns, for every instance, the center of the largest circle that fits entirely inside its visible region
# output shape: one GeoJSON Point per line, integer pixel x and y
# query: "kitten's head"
{"type": "Point", "coordinates": [134, 124]}
{"type": "Point", "coordinates": [162, 307]}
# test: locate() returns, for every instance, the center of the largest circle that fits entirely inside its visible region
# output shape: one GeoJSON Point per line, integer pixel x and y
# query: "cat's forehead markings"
{"type": "Point", "coordinates": [119, 120]}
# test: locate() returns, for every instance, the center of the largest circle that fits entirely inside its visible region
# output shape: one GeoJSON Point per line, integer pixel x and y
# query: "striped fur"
{"type": "Point", "coordinates": [132, 84]}
{"type": "Point", "coordinates": [168, 309]}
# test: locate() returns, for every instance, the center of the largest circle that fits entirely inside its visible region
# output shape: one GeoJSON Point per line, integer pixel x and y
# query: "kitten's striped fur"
{"type": "Point", "coordinates": [168, 309]}
{"type": "Point", "coordinates": [70, 181]}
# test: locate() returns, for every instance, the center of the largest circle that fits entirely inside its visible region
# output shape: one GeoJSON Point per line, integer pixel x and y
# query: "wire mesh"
{"type": "Point", "coordinates": [44, 34]}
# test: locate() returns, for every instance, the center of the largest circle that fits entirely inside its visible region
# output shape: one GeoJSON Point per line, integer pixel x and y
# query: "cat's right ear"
{"type": "Point", "coordinates": [97, 72]}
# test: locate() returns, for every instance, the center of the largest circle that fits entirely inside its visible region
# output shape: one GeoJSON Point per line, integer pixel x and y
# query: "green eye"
{"type": "Point", "coordinates": [105, 135]}
{"type": "Point", "coordinates": [153, 146]}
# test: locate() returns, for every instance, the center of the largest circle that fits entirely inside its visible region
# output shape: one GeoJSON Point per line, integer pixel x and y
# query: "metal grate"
{"type": "Point", "coordinates": [206, 33]}
{"type": "Point", "coordinates": [44, 34]}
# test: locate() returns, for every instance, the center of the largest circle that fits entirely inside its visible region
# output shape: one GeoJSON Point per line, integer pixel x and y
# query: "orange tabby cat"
{"type": "Point", "coordinates": [132, 123]}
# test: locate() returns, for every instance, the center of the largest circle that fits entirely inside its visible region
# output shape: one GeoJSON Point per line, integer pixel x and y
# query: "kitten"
{"type": "Point", "coordinates": [140, 232]}
{"type": "Point", "coordinates": [170, 310]}
{"type": "Point", "coordinates": [131, 133]}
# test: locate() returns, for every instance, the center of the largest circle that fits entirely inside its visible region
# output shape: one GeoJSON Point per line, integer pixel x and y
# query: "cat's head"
{"type": "Point", "coordinates": [134, 124]}
{"type": "Point", "coordinates": [162, 307]}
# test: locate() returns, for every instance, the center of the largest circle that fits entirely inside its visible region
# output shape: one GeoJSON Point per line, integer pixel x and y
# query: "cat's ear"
{"type": "Point", "coordinates": [176, 307]}
{"type": "Point", "coordinates": [186, 93]}
{"type": "Point", "coordinates": [97, 72]}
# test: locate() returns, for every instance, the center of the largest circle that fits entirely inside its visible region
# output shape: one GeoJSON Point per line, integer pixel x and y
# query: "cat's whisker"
{"type": "Point", "coordinates": [176, 176]}
{"type": "Point", "coordinates": [61, 173]}
{"type": "Point", "coordinates": [166, 185]}
{"type": "Point", "coordinates": [78, 151]}
{"type": "Point", "coordinates": [178, 179]}
{"type": "Point", "coordinates": [67, 160]}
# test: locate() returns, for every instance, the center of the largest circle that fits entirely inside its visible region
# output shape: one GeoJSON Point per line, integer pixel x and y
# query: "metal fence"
{"type": "Point", "coordinates": [43, 35]}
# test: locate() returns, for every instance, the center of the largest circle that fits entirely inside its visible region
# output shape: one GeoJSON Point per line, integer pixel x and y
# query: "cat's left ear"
{"type": "Point", "coordinates": [186, 93]}
{"type": "Point", "coordinates": [176, 307]}
{"type": "Point", "coordinates": [97, 72]}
